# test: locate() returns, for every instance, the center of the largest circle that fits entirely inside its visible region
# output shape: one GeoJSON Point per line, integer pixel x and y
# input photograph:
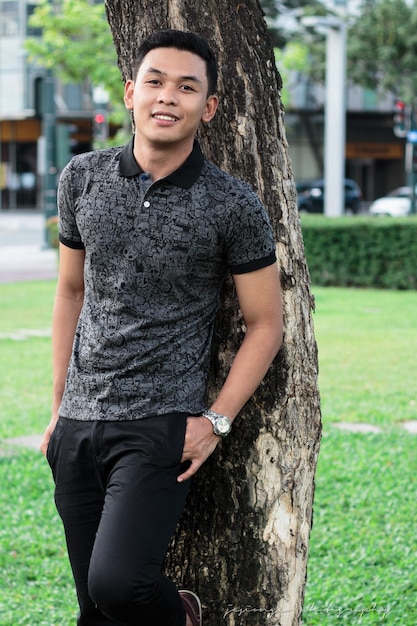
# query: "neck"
{"type": "Point", "coordinates": [162, 160]}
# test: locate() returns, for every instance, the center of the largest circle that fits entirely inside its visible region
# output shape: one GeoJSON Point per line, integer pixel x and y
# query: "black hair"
{"type": "Point", "coordinates": [181, 40]}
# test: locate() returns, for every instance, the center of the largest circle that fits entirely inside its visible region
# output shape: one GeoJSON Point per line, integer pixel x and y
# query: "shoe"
{"type": "Point", "coordinates": [192, 606]}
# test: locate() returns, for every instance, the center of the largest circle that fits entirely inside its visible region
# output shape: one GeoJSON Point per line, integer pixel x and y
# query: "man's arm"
{"type": "Point", "coordinates": [259, 296]}
{"type": "Point", "coordinates": [67, 307]}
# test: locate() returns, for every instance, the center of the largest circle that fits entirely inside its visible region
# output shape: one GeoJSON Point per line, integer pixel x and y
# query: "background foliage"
{"type": "Point", "coordinates": [362, 252]}
{"type": "Point", "coordinates": [382, 45]}
{"type": "Point", "coordinates": [76, 43]}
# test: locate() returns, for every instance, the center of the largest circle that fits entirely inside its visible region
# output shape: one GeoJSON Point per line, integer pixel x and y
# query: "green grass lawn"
{"type": "Point", "coordinates": [363, 551]}
{"type": "Point", "coordinates": [25, 364]}
{"type": "Point", "coordinates": [363, 547]}
{"type": "Point", "coordinates": [36, 586]}
{"type": "Point", "coordinates": [367, 343]}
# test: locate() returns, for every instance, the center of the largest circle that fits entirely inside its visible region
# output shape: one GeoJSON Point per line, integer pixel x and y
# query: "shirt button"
{"type": "Point", "coordinates": [146, 204]}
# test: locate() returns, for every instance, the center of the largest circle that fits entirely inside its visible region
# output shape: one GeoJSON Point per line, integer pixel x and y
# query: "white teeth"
{"type": "Point", "coordinates": [166, 118]}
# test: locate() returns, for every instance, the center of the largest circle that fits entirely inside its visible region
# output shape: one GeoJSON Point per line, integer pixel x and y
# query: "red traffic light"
{"type": "Point", "coordinates": [100, 126]}
{"type": "Point", "coordinates": [399, 121]}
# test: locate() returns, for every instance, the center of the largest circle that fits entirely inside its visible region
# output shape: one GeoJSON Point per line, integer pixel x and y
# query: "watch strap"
{"type": "Point", "coordinates": [214, 418]}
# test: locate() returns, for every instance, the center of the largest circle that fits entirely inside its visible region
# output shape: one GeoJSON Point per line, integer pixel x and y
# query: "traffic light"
{"type": "Point", "coordinates": [100, 126]}
{"type": "Point", "coordinates": [399, 126]}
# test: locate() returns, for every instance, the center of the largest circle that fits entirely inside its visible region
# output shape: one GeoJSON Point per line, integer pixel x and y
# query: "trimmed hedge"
{"type": "Point", "coordinates": [361, 251]}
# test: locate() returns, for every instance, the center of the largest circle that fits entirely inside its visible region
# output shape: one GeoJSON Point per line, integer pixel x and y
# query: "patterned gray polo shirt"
{"type": "Point", "coordinates": [156, 257]}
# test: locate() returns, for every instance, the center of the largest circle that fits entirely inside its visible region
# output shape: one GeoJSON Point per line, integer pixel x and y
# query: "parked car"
{"type": "Point", "coordinates": [311, 196]}
{"type": "Point", "coordinates": [396, 203]}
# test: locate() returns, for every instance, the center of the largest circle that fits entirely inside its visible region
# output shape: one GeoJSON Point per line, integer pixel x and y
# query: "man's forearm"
{"type": "Point", "coordinates": [69, 299]}
{"type": "Point", "coordinates": [249, 367]}
{"type": "Point", "coordinates": [64, 323]}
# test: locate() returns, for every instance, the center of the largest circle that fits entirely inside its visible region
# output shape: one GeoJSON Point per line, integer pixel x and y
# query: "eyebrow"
{"type": "Point", "coordinates": [153, 70]}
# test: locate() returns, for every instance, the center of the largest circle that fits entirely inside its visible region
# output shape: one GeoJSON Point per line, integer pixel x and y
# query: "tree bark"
{"type": "Point", "coordinates": [243, 540]}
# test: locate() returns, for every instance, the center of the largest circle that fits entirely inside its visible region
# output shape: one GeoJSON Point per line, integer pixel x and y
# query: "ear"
{"type": "Point", "coordinates": [128, 95]}
{"type": "Point", "coordinates": [210, 108]}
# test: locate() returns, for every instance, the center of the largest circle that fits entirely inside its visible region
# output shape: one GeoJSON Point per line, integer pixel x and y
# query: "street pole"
{"type": "Point", "coordinates": [49, 133]}
{"type": "Point", "coordinates": [412, 178]}
{"type": "Point", "coordinates": [411, 161]}
{"type": "Point", "coordinates": [335, 118]}
{"type": "Point", "coordinates": [412, 136]}
{"type": "Point", "coordinates": [334, 27]}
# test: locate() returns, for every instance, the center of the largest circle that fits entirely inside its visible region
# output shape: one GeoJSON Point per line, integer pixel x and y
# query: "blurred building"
{"type": "Point", "coordinates": [22, 123]}
{"type": "Point", "coordinates": [374, 156]}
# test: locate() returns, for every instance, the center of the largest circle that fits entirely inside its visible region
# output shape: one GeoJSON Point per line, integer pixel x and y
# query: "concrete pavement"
{"type": "Point", "coordinates": [24, 256]}
{"type": "Point", "coordinates": [23, 253]}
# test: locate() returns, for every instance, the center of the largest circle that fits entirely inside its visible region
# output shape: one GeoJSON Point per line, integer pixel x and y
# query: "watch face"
{"type": "Point", "coordinates": [222, 425]}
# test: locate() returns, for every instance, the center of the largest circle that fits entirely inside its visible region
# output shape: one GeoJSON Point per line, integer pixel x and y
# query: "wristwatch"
{"type": "Point", "coordinates": [221, 424]}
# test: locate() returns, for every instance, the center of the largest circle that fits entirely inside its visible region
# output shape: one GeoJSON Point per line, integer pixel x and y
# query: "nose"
{"type": "Point", "coordinates": [167, 95]}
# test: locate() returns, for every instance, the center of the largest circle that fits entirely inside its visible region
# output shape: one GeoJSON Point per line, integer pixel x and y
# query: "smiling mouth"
{"type": "Point", "coordinates": [164, 117]}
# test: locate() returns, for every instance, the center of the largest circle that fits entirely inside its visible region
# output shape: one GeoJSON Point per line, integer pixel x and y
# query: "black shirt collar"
{"type": "Point", "coordinates": [185, 176]}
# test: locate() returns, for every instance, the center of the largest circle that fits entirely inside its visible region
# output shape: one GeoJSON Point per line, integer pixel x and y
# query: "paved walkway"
{"type": "Point", "coordinates": [361, 427]}
{"type": "Point", "coordinates": [23, 253]}
{"type": "Point", "coordinates": [24, 256]}
{"type": "Point", "coordinates": [32, 442]}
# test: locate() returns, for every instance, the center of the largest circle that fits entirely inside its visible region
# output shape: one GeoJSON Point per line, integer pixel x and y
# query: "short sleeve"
{"type": "Point", "coordinates": [68, 231]}
{"type": "Point", "coordinates": [251, 244]}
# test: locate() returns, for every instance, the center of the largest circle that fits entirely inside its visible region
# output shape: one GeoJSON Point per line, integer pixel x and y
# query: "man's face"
{"type": "Point", "coordinates": [169, 97]}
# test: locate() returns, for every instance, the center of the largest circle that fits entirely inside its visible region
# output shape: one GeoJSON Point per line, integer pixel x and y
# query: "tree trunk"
{"type": "Point", "coordinates": [243, 540]}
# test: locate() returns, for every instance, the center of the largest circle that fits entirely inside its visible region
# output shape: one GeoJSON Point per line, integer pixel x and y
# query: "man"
{"type": "Point", "coordinates": [148, 233]}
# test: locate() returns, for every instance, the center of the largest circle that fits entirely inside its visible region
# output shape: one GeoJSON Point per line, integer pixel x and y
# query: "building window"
{"type": "Point", "coordinates": [30, 30]}
{"type": "Point", "coordinates": [9, 18]}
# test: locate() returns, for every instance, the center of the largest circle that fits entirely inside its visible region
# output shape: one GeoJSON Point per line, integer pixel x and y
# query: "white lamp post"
{"type": "Point", "coordinates": [335, 120]}
{"type": "Point", "coordinates": [335, 111]}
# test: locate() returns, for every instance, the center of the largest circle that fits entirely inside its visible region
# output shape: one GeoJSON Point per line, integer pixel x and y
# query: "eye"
{"type": "Point", "coordinates": [153, 81]}
{"type": "Point", "coordinates": [187, 88]}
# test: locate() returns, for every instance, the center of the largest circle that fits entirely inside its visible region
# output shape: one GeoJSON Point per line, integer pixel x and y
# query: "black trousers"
{"type": "Point", "coordinates": [117, 495]}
